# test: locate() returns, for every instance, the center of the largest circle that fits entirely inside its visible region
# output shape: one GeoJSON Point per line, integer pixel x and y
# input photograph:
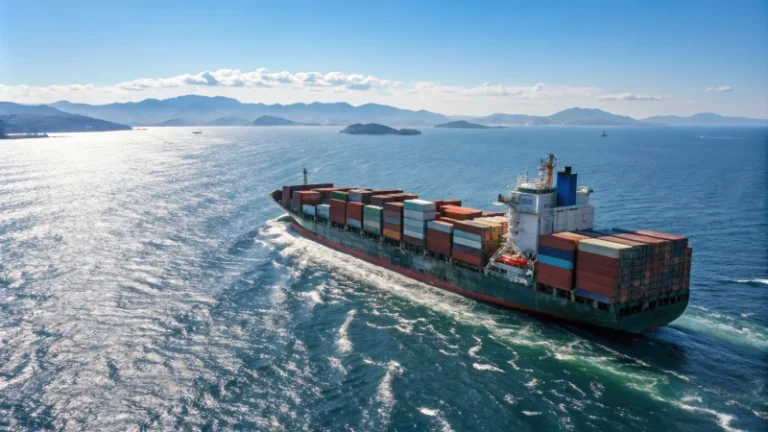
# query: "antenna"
{"type": "Point", "coordinates": [304, 171]}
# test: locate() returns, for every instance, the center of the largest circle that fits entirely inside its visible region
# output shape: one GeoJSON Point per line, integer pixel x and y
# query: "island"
{"type": "Point", "coordinates": [461, 124]}
{"type": "Point", "coordinates": [266, 120]}
{"type": "Point", "coordinates": [376, 129]}
{"type": "Point", "coordinates": [36, 126]}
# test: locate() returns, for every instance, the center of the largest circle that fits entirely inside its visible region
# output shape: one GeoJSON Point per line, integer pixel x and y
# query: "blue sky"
{"type": "Point", "coordinates": [634, 58]}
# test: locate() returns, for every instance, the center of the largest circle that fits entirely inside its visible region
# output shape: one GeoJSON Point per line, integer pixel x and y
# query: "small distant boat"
{"type": "Point", "coordinates": [603, 134]}
{"type": "Point", "coordinates": [197, 132]}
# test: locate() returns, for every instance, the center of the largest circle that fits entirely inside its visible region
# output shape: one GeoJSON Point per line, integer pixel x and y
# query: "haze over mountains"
{"type": "Point", "coordinates": [218, 110]}
{"type": "Point", "coordinates": [194, 110]}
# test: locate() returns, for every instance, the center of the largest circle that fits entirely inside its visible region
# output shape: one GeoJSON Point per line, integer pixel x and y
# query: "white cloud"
{"type": "Point", "coordinates": [538, 91]}
{"type": "Point", "coordinates": [262, 78]}
{"type": "Point", "coordinates": [721, 89]}
{"type": "Point", "coordinates": [631, 97]}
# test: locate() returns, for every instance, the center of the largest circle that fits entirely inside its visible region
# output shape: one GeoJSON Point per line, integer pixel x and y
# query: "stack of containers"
{"type": "Point", "coordinates": [393, 221]}
{"type": "Point", "coordinates": [325, 192]}
{"type": "Point", "coordinates": [355, 214]}
{"type": "Point", "coordinates": [338, 207]}
{"type": "Point", "coordinates": [360, 195]}
{"type": "Point", "coordinates": [400, 197]}
{"type": "Point", "coordinates": [302, 198]}
{"type": "Point", "coordinates": [416, 214]}
{"type": "Point", "coordinates": [496, 232]}
{"type": "Point", "coordinates": [439, 237]}
{"type": "Point", "coordinates": [459, 213]}
{"type": "Point", "coordinates": [288, 190]}
{"type": "Point", "coordinates": [379, 200]}
{"type": "Point", "coordinates": [323, 211]}
{"type": "Point", "coordinates": [372, 219]}
{"type": "Point", "coordinates": [557, 254]}
{"type": "Point", "coordinates": [469, 239]}
{"type": "Point", "coordinates": [604, 269]}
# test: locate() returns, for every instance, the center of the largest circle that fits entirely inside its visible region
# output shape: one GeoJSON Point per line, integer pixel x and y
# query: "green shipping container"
{"type": "Point", "coordinates": [339, 195]}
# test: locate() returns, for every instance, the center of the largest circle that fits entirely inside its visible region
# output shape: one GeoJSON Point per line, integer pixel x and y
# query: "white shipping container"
{"type": "Point", "coordinates": [440, 226]}
{"type": "Point", "coordinates": [308, 209]}
{"type": "Point", "coordinates": [419, 205]}
{"type": "Point", "coordinates": [509, 268]}
{"type": "Point", "coordinates": [465, 242]}
{"type": "Point", "coordinates": [413, 234]}
{"type": "Point", "coordinates": [602, 247]}
{"type": "Point", "coordinates": [422, 216]}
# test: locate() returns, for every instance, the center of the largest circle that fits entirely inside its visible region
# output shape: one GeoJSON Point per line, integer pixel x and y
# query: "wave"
{"type": "Point", "coordinates": [751, 282]}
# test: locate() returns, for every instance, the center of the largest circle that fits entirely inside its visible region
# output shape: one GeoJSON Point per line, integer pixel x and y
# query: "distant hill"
{"type": "Point", "coordinates": [266, 120]}
{"type": "Point", "coordinates": [377, 129]}
{"type": "Point", "coordinates": [203, 109]}
{"type": "Point", "coordinates": [174, 122]}
{"type": "Point", "coordinates": [227, 121]}
{"type": "Point", "coordinates": [706, 119]}
{"type": "Point", "coordinates": [569, 117]}
{"type": "Point", "coordinates": [461, 124]}
{"type": "Point", "coordinates": [17, 118]}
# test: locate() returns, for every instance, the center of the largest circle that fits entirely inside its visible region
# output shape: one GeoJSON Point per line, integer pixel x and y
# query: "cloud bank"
{"type": "Point", "coordinates": [721, 89]}
{"type": "Point", "coordinates": [262, 85]}
{"type": "Point", "coordinates": [631, 97]}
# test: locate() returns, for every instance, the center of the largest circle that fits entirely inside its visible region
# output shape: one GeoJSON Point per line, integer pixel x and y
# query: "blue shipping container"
{"type": "Point", "coordinates": [557, 262]}
{"type": "Point", "coordinates": [557, 253]}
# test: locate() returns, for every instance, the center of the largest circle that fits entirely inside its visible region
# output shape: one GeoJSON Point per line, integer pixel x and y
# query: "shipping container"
{"type": "Point", "coordinates": [412, 240]}
{"type": "Point", "coordinates": [338, 211]}
{"type": "Point", "coordinates": [354, 223]}
{"type": "Point", "coordinates": [557, 253]}
{"type": "Point", "coordinates": [340, 195]}
{"type": "Point", "coordinates": [467, 258]}
{"type": "Point", "coordinates": [469, 236]}
{"type": "Point", "coordinates": [459, 213]}
{"type": "Point", "coordinates": [554, 276]}
{"type": "Point", "coordinates": [379, 200]}
{"type": "Point", "coordinates": [418, 215]}
{"type": "Point", "coordinates": [309, 209]}
{"type": "Point", "coordinates": [323, 211]}
{"type": "Point", "coordinates": [602, 247]}
{"type": "Point", "coordinates": [484, 231]}
{"type": "Point", "coordinates": [419, 205]}
{"type": "Point", "coordinates": [442, 226]}
{"type": "Point", "coordinates": [470, 243]}
{"type": "Point", "coordinates": [593, 296]}
{"type": "Point", "coordinates": [556, 262]}
{"type": "Point", "coordinates": [360, 195]}
{"type": "Point", "coordinates": [325, 192]}
{"type": "Point", "coordinates": [355, 211]}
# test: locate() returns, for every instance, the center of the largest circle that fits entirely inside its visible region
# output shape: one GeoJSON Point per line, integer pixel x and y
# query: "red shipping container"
{"type": "Point", "coordinates": [338, 215]}
{"type": "Point", "coordinates": [467, 258]}
{"type": "Point", "coordinates": [554, 276]}
{"type": "Point", "coordinates": [413, 241]}
{"type": "Point", "coordinates": [584, 257]}
{"type": "Point", "coordinates": [597, 269]}
{"type": "Point", "coordinates": [561, 241]}
{"type": "Point", "coordinates": [459, 213]}
{"type": "Point", "coordinates": [379, 200]}
{"type": "Point", "coordinates": [595, 288]}
{"type": "Point", "coordinates": [608, 282]}
{"type": "Point", "coordinates": [355, 210]}
{"type": "Point", "coordinates": [438, 241]}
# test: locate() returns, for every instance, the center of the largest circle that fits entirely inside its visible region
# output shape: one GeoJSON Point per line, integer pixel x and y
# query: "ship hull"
{"type": "Point", "coordinates": [483, 286]}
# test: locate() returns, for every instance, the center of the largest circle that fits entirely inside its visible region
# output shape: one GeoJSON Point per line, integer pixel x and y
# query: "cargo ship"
{"type": "Point", "coordinates": [541, 255]}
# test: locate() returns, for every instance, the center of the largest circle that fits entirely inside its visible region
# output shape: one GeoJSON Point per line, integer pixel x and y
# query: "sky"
{"type": "Point", "coordinates": [637, 58]}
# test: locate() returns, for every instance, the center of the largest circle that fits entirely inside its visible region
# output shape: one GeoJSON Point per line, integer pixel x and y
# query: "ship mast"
{"type": "Point", "coordinates": [305, 173]}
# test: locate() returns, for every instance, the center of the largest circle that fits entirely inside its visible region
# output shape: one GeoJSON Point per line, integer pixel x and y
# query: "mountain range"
{"type": "Point", "coordinates": [195, 110]}
{"type": "Point", "coordinates": [17, 118]}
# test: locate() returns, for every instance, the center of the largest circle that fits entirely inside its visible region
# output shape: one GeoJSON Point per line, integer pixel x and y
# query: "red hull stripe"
{"type": "Point", "coordinates": [414, 275]}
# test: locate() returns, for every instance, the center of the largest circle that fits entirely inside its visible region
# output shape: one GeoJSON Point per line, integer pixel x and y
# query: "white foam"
{"type": "Point", "coordinates": [532, 413]}
{"type": "Point", "coordinates": [486, 367]}
{"type": "Point", "coordinates": [343, 342]}
{"type": "Point", "coordinates": [756, 281]}
{"type": "Point", "coordinates": [429, 412]}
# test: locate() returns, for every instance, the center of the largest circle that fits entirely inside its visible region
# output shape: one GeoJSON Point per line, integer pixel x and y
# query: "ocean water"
{"type": "Point", "coordinates": [148, 283]}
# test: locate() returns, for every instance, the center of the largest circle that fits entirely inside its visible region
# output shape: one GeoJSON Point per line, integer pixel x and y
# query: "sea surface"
{"type": "Point", "coordinates": [148, 283]}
